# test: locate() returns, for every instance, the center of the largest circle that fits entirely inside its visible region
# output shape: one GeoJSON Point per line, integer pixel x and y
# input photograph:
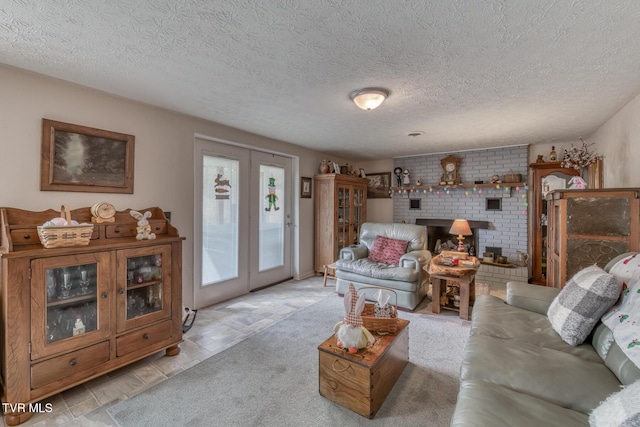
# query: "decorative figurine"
{"type": "Point", "coordinates": [272, 195]}
{"type": "Point", "coordinates": [398, 172]}
{"type": "Point", "coordinates": [577, 183]}
{"type": "Point", "coordinates": [406, 180]}
{"type": "Point", "coordinates": [350, 333]}
{"type": "Point", "coordinates": [143, 229]}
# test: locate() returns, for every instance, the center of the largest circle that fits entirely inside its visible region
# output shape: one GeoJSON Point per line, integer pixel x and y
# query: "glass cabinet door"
{"type": "Point", "coordinates": [143, 286]}
{"type": "Point", "coordinates": [71, 302]}
{"type": "Point", "coordinates": [358, 214]}
{"type": "Point", "coordinates": [344, 213]}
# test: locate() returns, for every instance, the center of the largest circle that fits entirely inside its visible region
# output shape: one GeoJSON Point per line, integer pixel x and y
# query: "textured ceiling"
{"type": "Point", "coordinates": [468, 73]}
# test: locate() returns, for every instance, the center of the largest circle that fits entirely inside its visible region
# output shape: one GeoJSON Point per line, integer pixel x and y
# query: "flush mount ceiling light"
{"type": "Point", "coordinates": [369, 98]}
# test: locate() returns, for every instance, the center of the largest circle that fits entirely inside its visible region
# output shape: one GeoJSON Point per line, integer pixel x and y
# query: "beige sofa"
{"type": "Point", "coordinates": [516, 371]}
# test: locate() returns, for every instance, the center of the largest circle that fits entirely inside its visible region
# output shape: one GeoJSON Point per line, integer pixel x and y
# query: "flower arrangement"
{"type": "Point", "coordinates": [579, 158]}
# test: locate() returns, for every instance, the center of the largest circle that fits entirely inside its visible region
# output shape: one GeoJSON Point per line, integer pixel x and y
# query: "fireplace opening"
{"type": "Point", "coordinates": [438, 229]}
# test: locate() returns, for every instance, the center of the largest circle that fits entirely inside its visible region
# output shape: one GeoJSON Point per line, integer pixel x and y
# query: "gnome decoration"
{"type": "Point", "coordinates": [350, 332]}
{"type": "Point", "coordinates": [272, 195]}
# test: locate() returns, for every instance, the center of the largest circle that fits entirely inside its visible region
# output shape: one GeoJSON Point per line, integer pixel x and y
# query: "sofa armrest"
{"type": "Point", "coordinates": [354, 252]}
{"type": "Point", "coordinates": [415, 259]}
{"type": "Point", "coordinates": [530, 297]}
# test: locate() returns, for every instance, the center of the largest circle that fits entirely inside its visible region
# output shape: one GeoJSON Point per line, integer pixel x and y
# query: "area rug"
{"type": "Point", "coordinates": [271, 379]}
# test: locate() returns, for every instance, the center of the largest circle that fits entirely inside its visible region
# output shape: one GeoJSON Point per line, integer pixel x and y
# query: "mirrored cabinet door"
{"type": "Point", "coordinates": [547, 176]}
{"type": "Point", "coordinates": [72, 300]}
{"type": "Point", "coordinates": [144, 281]}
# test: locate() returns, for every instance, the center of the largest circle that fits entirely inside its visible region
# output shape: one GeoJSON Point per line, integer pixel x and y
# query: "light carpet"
{"type": "Point", "coordinates": [271, 379]}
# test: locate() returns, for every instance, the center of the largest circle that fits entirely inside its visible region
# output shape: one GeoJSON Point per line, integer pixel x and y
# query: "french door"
{"type": "Point", "coordinates": [243, 221]}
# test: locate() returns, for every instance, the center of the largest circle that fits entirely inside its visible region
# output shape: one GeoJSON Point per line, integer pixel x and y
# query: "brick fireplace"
{"type": "Point", "coordinates": [504, 228]}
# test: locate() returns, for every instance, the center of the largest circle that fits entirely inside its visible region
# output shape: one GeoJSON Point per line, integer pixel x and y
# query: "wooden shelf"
{"type": "Point", "coordinates": [453, 187]}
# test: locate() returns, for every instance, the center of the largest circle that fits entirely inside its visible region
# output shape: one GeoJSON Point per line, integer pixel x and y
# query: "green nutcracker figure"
{"type": "Point", "coordinates": [272, 195]}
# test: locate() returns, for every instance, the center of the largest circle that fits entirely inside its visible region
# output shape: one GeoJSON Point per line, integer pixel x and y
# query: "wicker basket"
{"type": "Point", "coordinates": [380, 325]}
{"type": "Point", "coordinates": [71, 235]}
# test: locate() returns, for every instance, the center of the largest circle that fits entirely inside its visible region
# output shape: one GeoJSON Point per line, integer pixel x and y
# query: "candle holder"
{"type": "Point", "coordinates": [66, 285]}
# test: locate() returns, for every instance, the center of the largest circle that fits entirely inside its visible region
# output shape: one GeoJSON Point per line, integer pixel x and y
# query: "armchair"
{"type": "Point", "coordinates": [407, 278]}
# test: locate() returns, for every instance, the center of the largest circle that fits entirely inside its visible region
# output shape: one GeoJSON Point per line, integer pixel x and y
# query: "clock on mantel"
{"type": "Point", "coordinates": [450, 168]}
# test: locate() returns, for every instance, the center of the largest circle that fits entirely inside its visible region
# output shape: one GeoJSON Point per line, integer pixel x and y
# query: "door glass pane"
{"type": "Point", "coordinates": [72, 301]}
{"type": "Point", "coordinates": [219, 219]}
{"type": "Point", "coordinates": [272, 220]}
{"type": "Point", "coordinates": [144, 285]}
{"type": "Point", "coordinates": [357, 214]}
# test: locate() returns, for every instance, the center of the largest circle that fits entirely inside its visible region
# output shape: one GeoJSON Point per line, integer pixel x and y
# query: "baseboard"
{"type": "Point", "coordinates": [306, 275]}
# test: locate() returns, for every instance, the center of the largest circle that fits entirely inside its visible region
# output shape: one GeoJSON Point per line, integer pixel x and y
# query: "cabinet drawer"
{"type": "Point", "coordinates": [25, 236]}
{"type": "Point", "coordinates": [60, 367]}
{"type": "Point", "coordinates": [131, 229]}
{"type": "Point", "coordinates": [143, 338]}
{"type": "Point", "coordinates": [120, 230]}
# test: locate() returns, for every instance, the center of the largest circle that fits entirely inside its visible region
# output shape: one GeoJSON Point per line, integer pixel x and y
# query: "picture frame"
{"type": "Point", "coordinates": [85, 159]}
{"type": "Point", "coordinates": [379, 185]}
{"type": "Point", "coordinates": [305, 187]}
{"type": "Point", "coordinates": [336, 167]}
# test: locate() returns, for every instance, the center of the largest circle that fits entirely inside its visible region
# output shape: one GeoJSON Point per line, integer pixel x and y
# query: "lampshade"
{"type": "Point", "coordinates": [460, 227]}
{"type": "Point", "coordinates": [369, 98]}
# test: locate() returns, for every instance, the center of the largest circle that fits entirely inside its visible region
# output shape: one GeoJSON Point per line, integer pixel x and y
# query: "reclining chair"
{"type": "Point", "coordinates": [390, 256]}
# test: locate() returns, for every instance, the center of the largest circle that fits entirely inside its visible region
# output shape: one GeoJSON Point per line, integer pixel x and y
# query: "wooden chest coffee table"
{"type": "Point", "coordinates": [360, 382]}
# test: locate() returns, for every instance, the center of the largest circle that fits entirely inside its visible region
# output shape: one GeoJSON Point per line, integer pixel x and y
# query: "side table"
{"type": "Point", "coordinates": [465, 276]}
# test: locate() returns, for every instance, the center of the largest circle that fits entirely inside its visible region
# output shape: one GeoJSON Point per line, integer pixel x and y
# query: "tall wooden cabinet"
{"type": "Point", "coordinates": [71, 314]}
{"type": "Point", "coordinates": [340, 210]}
{"type": "Point", "coordinates": [589, 227]}
{"type": "Point", "coordinates": [546, 176]}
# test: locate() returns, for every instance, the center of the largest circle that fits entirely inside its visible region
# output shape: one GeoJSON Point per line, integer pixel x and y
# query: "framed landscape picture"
{"type": "Point", "coordinates": [80, 158]}
{"type": "Point", "coordinates": [379, 185]}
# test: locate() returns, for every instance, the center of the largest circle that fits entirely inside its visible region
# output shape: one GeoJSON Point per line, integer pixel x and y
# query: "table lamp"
{"type": "Point", "coordinates": [461, 228]}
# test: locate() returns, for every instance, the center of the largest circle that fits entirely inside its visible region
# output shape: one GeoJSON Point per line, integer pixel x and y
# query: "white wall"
{"type": "Point", "coordinates": [163, 155]}
{"type": "Point", "coordinates": [618, 140]}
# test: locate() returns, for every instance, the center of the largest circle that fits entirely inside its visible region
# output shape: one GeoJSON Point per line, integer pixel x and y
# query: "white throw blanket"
{"type": "Point", "coordinates": [624, 318]}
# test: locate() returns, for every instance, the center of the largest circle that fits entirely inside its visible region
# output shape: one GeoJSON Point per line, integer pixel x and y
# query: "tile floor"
{"type": "Point", "coordinates": [216, 328]}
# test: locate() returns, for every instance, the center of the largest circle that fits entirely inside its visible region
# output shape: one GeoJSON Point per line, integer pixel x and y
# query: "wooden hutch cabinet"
{"type": "Point", "coordinates": [589, 227]}
{"type": "Point", "coordinates": [71, 314]}
{"type": "Point", "coordinates": [547, 176]}
{"type": "Point", "coordinates": [340, 210]}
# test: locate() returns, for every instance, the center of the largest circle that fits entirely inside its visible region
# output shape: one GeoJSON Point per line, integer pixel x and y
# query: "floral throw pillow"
{"type": "Point", "coordinates": [388, 251]}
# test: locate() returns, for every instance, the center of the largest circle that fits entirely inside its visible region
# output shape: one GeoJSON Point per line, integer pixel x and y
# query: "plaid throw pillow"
{"type": "Point", "coordinates": [581, 303]}
{"type": "Point", "coordinates": [620, 409]}
{"type": "Point", "coordinates": [388, 250]}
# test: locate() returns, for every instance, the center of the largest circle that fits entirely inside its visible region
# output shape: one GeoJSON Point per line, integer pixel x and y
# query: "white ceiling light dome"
{"type": "Point", "coordinates": [369, 98]}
